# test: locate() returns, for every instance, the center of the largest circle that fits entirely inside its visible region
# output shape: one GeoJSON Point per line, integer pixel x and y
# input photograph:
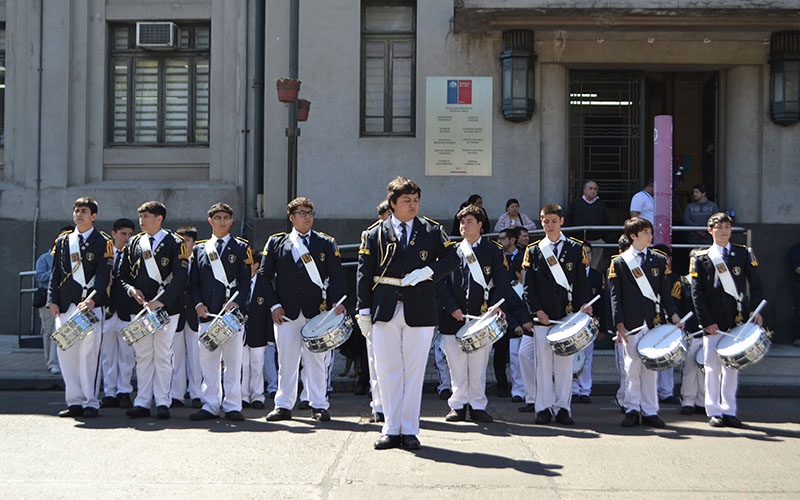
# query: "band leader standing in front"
{"type": "Point", "coordinates": [399, 260]}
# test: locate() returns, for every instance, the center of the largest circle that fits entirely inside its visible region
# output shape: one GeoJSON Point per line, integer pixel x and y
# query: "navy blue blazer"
{"type": "Point", "coordinates": [380, 255]}
{"type": "Point", "coordinates": [236, 258]}
{"type": "Point", "coordinates": [542, 291]}
{"type": "Point", "coordinates": [292, 287]}
{"type": "Point", "coordinates": [96, 254]}
{"type": "Point", "coordinates": [119, 301]}
{"type": "Point", "coordinates": [628, 305]}
{"type": "Point", "coordinates": [259, 327]}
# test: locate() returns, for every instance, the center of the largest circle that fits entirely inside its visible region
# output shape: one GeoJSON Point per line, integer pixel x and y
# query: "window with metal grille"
{"type": "Point", "coordinates": [159, 97]}
{"type": "Point", "coordinates": [388, 67]}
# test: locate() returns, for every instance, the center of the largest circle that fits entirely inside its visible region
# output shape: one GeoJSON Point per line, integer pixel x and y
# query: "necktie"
{"type": "Point", "coordinates": [117, 257]}
{"type": "Point", "coordinates": [403, 235]}
{"type": "Point", "coordinates": [555, 248]}
{"type": "Point", "coordinates": [80, 240]}
{"type": "Point", "coordinates": [305, 240]}
{"type": "Point", "coordinates": [219, 246]}
{"type": "Point", "coordinates": [465, 276]}
{"type": "Point", "coordinates": [725, 254]}
{"type": "Point", "coordinates": [152, 244]}
{"type": "Point", "coordinates": [640, 256]}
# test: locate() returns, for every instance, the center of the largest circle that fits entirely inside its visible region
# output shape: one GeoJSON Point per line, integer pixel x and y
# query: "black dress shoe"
{"type": "Point", "coordinates": [203, 415]}
{"type": "Point", "coordinates": [377, 418]}
{"type": "Point", "coordinates": [304, 405]}
{"type": "Point", "coordinates": [71, 411]}
{"type": "Point", "coordinates": [517, 399]}
{"type": "Point", "coordinates": [543, 417]}
{"type": "Point", "coordinates": [124, 399]}
{"type": "Point", "coordinates": [480, 416]}
{"type": "Point", "coordinates": [162, 412]}
{"type": "Point", "coordinates": [235, 416]}
{"type": "Point", "coordinates": [700, 410]}
{"type": "Point", "coordinates": [584, 399]}
{"type": "Point", "coordinates": [258, 405]}
{"type": "Point", "coordinates": [279, 414]}
{"type": "Point", "coordinates": [716, 422]}
{"type": "Point", "coordinates": [562, 417]}
{"type": "Point", "coordinates": [687, 410]}
{"type": "Point", "coordinates": [445, 394]}
{"type": "Point", "coordinates": [631, 419]}
{"type": "Point", "coordinates": [138, 412]}
{"type": "Point", "coordinates": [197, 403]}
{"type": "Point", "coordinates": [176, 403]}
{"type": "Point", "coordinates": [653, 421]}
{"type": "Point", "coordinates": [670, 400]}
{"type": "Point", "coordinates": [410, 442]}
{"type": "Point", "coordinates": [320, 415]}
{"type": "Point", "coordinates": [271, 395]}
{"type": "Point", "coordinates": [245, 404]}
{"type": "Point", "coordinates": [459, 415]}
{"type": "Point", "coordinates": [388, 441]}
{"type": "Point", "coordinates": [109, 402]}
{"type": "Point", "coordinates": [730, 421]}
{"type": "Point", "coordinates": [528, 408]}
{"type": "Point", "coordinates": [89, 412]}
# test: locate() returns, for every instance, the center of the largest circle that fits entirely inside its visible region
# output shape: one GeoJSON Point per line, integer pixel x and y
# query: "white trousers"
{"type": "Point", "coordinates": [641, 392]}
{"type": "Point", "coordinates": [376, 403]}
{"type": "Point", "coordinates": [527, 367]}
{"type": "Point", "coordinates": [80, 364]}
{"type": "Point", "coordinates": [253, 373]}
{"type": "Point", "coordinates": [230, 353]}
{"type": "Point", "coordinates": [583, 385]}
{"type": "Point", "coordinates": [514, 372]}
{"type": "Point", "coordinates": [50, 348]}
{"type": "Point", "coordinates": [693, 383]}
{"type": "Point", "coordinates": [117, 358]}
{"type": "Point", "coordinates": [154, 366]}
{"type": "Point", "coordinates": [291, 352]}
{"type": "Point", "coordinates": [271, 367]}
{"type": "Point", "coordinates": [401, 355]}
{"type": "Point", "coordinates": [721, 381]}
{"type": "Point", "coordinates": [186, 372]}
{"type": "Point", "coordinates": [440, 358]}
{"type": "Point", "coordinates": [553, 374]}
{"type": "Point", "coordinates": [619, 355]}
{"type": "Point", "coordinates": [665, 383]}
{"type": "Point", "coordinates": [467, 373]}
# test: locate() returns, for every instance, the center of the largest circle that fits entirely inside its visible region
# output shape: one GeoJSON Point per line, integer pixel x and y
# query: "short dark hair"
{"type": "Point", "coordinates": [719, 217]}
{"type": "Point", "coordinates": [220, 207]}
{"type": "Point", "coordinates": [296, 203]}
{"type": "Point", "coordinates": [520, 230]}
{"type": "Point", "coordinates": [257, 255]}
{"type": "Point", "coordinates": [700, 187]}
{"type": "Point", "coordinates": [664, 248]}
{"type": "Point", "coordinates": [623, 243]}
{"type": "Point", "coordinates": [383, 207]}
{"type": "Point", "coordinates": [86, 201]}
{"type": "Point", "coordinates": [552, 209]}
{"type": "Point", "coordinates": [187, 232]}
{"type": "Point", "coordinates": [153, 207]}
{"type": "Point", "coordinates": [511, 232]}
{"type": "Point", "coordinates": [511, 201]}
{"type": "Point", "coordinates": [635, 225]}
{"type": "Point", "coordinates": [474, 211]}
{"type": "Point", "coordinates": [400, 186]}
{"type": "Point", "coordinates": [587, 245]}
{"type": "Point", "coordinates": [122, 224]}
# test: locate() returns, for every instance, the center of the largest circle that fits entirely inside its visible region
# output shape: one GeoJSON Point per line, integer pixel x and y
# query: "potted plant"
{"type": "Point", "coordinates": [303, 106]}
{"type": "Point", "coordinates": [288, 89]}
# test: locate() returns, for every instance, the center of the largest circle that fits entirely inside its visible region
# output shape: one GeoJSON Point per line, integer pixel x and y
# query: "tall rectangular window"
{"type": "Point", "coordinates": [160, 96]}
{"type": "Point", "coordinates": [388, 67]}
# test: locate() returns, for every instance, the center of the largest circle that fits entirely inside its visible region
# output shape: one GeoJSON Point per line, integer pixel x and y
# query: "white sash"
{"type": "Point", "coordinates": [216, 266]}
{"type": "Point", "coordinates": [308, 261]}
{"type": "Point", "coordinates": [475, 268]}
{"type": "Point", "coordinates": [722, 272]}
{"type": "Point", "coordinates": [638, 274]}
{"type": "Point", "coordinates": [148, 254]}
{"type": "Point", "coordinates": [77, 264]}
{"type": "Point", "coordinates": [555, 267]}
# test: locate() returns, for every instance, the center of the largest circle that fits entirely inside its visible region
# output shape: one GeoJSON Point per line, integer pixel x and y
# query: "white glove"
{"type": "Point", "coordinates": [417, 276]}
{"type": "Point", "coordinates": [365, 324]}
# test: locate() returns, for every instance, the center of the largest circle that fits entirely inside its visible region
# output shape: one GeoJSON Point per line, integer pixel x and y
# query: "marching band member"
{"type": "Point", "coordinates": [155, 261]}
{"type": "Point", "coordinates": [480, 280]}
{"type": "Point", "coordinates": [116, 356]}
{"type": "Point", "coordinates": [220, 269]}
{"type": "Point", "coordinates": [555, 284]}
{"type": "Point", "coordinates": [308, 279]}
{"type": "Point", "coordinates": [639, 286]}
{"type": "Point", "coordinates": [80, 265]}
{"type": "Point", "coordinates": [399, 261]}
{"type": "Point", "coordinates": [720, 277]}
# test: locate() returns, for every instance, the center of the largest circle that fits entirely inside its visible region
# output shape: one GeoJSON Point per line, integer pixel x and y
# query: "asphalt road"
{"type": "Point", "coordinates": [115, 457]}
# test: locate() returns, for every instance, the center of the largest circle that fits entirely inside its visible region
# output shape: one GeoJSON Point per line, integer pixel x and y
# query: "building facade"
{"type": "Point", "coordinates": [90, 107]}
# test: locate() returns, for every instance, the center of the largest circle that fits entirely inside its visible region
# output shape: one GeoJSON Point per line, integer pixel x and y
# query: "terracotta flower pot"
{"type": "Point", "coordinates": [287, 89]}
{"type": "Point", "coordinates": [303, 106]}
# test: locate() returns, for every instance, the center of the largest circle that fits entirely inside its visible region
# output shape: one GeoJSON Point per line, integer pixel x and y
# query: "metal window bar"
{"type": "Point", "coordinates": [25, 297]}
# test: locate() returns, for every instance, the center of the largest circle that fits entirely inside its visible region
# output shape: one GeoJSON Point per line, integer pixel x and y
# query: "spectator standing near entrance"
{"type": "Point", "coordinates": [589, 210]}
{"type": "Point", "coordinates": [643, 205]}
{"type": "Point", "coordinates": [697, 214]}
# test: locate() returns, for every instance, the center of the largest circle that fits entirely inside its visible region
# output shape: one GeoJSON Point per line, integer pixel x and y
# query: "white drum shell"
{"type": "Point", "coordinates": [479, 333]}
{"type": "Point", "coordinates": [574, 334]}
{"type": "Point", "coordinates": [325, 332]}
{"type": "Point", "coordinates": [747, 344]}
{"type": "Point", "coordinates": [658, 354]}
{"type": "Point", "coordinates": [222, 328]}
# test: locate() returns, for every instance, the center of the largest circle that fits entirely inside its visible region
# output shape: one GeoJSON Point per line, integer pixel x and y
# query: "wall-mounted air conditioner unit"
{"type": "Point", "coordinates": [157, 35]}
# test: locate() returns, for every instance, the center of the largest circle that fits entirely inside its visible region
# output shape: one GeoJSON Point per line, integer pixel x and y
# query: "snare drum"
{"type": "Point", "coordinates": [663, 347]}
{"type": "Point", "coordinates": [75, 328]}
{"type": "Point", "coordinates": [144, 325]}
{"type": "Point", "coordinates": [222, 328]}
{"type": "Point", "coordinates": [747, 345]}
{"type": "Point", "coordinates": [578, 361]}
{"type": "Point", "coordinates": [326, 332]}
{"type": "Point", "coordinates": [573, 334]}
{"type": "Point", "coordinates": [482, 332]}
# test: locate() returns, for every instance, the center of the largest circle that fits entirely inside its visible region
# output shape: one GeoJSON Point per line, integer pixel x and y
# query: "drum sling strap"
{"type": "Point", "coordinates": [310, 265]}
{"type": "Point", "coordinates": [641, 280]}
{"type": "Point", "coordinates": [217, 268]}
{"type": "Point", "coordinates": [465, 251]}
{"type": "Point", "coordinates": [725, 278]}
{"type": "Point", "coordinates": [150, 264]}
{"type": "Point", "coordinates": [77, 265]}
{"type": "Point", "coordinates": [556, 270]}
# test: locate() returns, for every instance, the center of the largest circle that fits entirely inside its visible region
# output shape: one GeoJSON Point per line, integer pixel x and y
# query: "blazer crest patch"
{"type": "Point", "coordinates": [570, 266]}
{"type": "Point", "coordinates": [232, 258]}
{"type": "Point", "coordinates": [423, 255]}
{"type": "Point", "coordinates": [322, 256]}
{"type": "Point", "coordinates": [655, 272]}
{"type": "Point", "coordinates": [736, 270]}
{"type": "Point", "coordinates": [487, 270]}
{"type": "Point", "coordinates": [164, 261]}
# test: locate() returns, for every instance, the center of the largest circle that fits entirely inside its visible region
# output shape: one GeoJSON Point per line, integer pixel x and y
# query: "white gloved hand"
{"type": "Point", "coordinates": [364, 324]}
{"type": "Point", "coordinates": [417, 276]}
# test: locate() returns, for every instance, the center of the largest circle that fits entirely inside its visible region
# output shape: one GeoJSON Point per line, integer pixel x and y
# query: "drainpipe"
{"type": "Point", "coordinates": [244, 130]}
{"type": "Point", "coordinates": [292, 132]}
{"type": "Point", "coordinates": [258, 110]}
{"type": "Point", "coordinates": [40, 69]}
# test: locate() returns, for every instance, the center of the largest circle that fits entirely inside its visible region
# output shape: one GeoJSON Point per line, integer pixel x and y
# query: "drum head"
{"type": "Point", "coordinates": [660, 340]}
{"type": "Point", "coordinates": [464, 330]}
{"type": "Point", "coordinates": [319, 324]}
{"type": "Point", "coordinates": [569, 327]}
{"type": "Point", "coordinates": [744, 336]}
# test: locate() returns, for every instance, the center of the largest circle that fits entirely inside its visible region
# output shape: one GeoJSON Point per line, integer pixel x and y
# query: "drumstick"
{"type": "Point", "coordinates": [147, 308]}
{"type": "Point", "coordinates": [630, 332]}
{"type": "Point", "coordinates": [552, 321]}
{"type": "Point", "coordinates": [595, 299]}
{"type": "Point", "coordinates": [76, 311]}
{"type": "Point", "coordinates": [283, 317]}
{"type": "Point", "coordinates": [324, 318]}
{"type": "Point", "coordinates": [470, 316]}
{"type": "Point", "coordinates": [681, 322]}
{"type": "Point", "coordinates": [758, 309]}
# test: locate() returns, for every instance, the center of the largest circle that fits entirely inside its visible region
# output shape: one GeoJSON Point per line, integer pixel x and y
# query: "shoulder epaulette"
{"type": "Point", "coordinates": [738, 245]}
{"type": "Point", "coordinates": [698, 253]}
{"type": "Point", "coordinates": [105, 234]}
{"type": "Point", "coordinates": [431, 220]}
{"type": "Point", "coordinates": [692, 269]}
{"type": "Point", "coordinates": [612, 273]}
{"type": "Point", "coordinates": [140, 233]}
{"type": "Point", "coordinates": [576, 240]}
{"type": "Point", "coordinates": [660, 251]}
{"type": "Point", "coordinates": [326, 235]}
{"type": "Point", "coordinates": [62, 233]}
{"type": "Point", "coordinates": [178, 238]}
{"type": "Point", "coordinates": [677, 290]}
{"type": "Point", "coordinates": [534, 243]}
{"type": "Point", "coordinates": [200, 241]}
{"type": "Point", "coordinates": [753, 260]}
{"type": "Point", "coordinates": [377, 222]}
{"type": "Point", "coordinates": [243, 240]}
{"type": "Point", "coordinates": [449, 243]}
{"type": "Point", "coordinates": [276, 234]}
{"type": "Point", "coordinates": [497, 243]}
